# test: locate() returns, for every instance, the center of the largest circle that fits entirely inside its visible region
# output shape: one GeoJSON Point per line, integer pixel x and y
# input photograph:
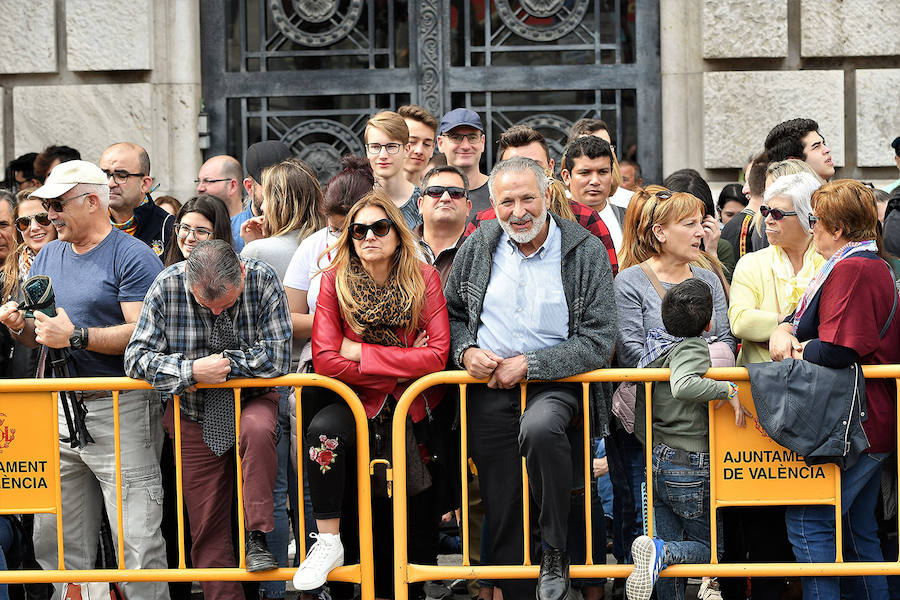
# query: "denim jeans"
{"type": "Point", "coordinates": [811, 530]}
{"type": "Point", "coordinates": [285, 479]}
{"type": "Point", "coordinates": [625, 457]}
{"type": "Point", "coordinates": [681, 512]}
{"type": "Point", "coordinates": [88, 481]}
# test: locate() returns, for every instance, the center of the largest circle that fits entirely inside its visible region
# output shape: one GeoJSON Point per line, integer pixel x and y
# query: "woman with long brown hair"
{"type": "Point", "coordinates": [381, 321]}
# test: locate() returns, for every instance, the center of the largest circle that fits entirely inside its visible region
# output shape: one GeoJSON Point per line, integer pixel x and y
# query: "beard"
{"type": "Point", "coordinates": [524, 237]}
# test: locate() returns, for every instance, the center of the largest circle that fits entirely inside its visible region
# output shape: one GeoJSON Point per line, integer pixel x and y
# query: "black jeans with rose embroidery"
{"type": "Point", "coordinates": [330, 448]}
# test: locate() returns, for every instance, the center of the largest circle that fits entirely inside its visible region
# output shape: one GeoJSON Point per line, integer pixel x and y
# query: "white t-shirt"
{"type": "Point", "coordinates": [303, 270]}
{"type": "Point", "coordinates": [622, 197]}
{"type": "Point", "coordinates": [612, 223]}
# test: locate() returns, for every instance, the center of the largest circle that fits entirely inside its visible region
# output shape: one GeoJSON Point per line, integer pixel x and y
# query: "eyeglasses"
{"type": "Point", "coordinates": [381, 228]}
{"type": "Point", "coordinates": [813, 219]}
{"type": "Point", "coordinates": [392, 148]}
{"type": "Point", "coordinates": [59, 205]}
{"type": "Point", "coordinates": [776, 213]}
{"type": "Point", "coordinates": [120, 177]}
{"type": "Point", "coordinates": [207, 180]}
{"type": "Point", "coordinates": [201, 234]}
{"type": "Point", "coordinates": [437, 191]}
{"type": "Point", "coordinates": [457, 138]}
{"type": "Point", "coordinates": [23, 223]}
{"type": "Point", "coordinates": [664, 195]}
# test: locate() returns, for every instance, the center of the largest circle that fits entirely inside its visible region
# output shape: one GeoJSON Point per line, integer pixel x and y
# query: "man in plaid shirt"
{"type": "Point", "coordinates": [210, 318]}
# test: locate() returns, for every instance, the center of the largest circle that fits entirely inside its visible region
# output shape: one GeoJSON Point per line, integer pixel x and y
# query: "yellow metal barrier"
{"type": "Point", "coordinates": [827, 487]}
{"type": "Point", "coordinates": [28, 411]}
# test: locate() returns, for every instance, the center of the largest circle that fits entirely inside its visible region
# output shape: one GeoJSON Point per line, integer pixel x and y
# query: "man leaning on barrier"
{"type": "Point", "coordinates": [210, 318]}
{"type": "Point", "coordinates": [530, 297]}
{"type": "Point", "coordinates": [99, 276]}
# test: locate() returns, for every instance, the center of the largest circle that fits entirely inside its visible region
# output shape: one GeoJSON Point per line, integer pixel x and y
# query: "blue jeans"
{"type": "Point", "coordinates": [681, 512]}
{"type": "Point", "coordinates": [811, 531]}
{"type": "Point", "coordinates": [285, 480]}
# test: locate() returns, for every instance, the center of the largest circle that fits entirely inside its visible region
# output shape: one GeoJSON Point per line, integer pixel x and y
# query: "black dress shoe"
{"type": "Point", "coordinates": [259, 558]}
{"type": "Point", "coordinates": [553, 581]}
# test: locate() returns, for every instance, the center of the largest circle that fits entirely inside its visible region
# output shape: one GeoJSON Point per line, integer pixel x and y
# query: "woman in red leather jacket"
{"type": "Point", "coordinates": [380, 322]}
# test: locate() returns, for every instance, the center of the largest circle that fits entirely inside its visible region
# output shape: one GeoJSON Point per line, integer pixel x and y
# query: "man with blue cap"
{"type": "Point", "coordinates": [461, 140]}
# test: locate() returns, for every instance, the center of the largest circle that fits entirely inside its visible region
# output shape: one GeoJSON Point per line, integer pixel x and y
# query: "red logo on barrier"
{"type": "Point", "coordinates": [7, 433]}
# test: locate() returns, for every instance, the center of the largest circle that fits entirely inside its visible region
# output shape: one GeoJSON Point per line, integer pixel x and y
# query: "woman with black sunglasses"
{"type": "Point", "coordinates": [768, 283]}
{"type": "Point", "coordinates": [380, 322]}
{"type": "Point", "coordinates": [34, 230]}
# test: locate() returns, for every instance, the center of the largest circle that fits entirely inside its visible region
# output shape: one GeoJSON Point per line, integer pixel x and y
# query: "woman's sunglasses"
{"type": "Point", "coordinates": [23, 223]}
{"type": "Point", "coordinates": [381, 228]}
{"type": "Point", "coordinates": [776, 213]}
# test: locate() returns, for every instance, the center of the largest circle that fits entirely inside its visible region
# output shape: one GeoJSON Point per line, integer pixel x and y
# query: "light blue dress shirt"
{"type": "Point", "coordinates": [525, 305]}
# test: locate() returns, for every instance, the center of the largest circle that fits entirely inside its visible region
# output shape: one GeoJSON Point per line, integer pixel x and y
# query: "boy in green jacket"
{"type": "Point", "coordinates": [680, 443]}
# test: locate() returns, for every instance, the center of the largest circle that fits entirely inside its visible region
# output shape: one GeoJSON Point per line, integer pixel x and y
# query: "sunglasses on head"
{"type": "Point", "coordinates": [437, 191]}
{"type": "Point", "coordinates": [23, 223]}
{"type": "Point", "coordinates": [664, 195]}
{"type": "Point", "coordinates": [381, 228]}
{"type": "Point", "coordinates": [776, 213]}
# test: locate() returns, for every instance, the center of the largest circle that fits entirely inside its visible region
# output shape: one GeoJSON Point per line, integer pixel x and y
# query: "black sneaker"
{"type": "Point", "coordinates": [259, 558]}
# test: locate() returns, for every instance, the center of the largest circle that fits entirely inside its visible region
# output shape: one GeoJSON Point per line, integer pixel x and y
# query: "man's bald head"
{"type": "Point", "coordinates": [142, 156]}
{"type": "Point", "coordinates": [221, 176]}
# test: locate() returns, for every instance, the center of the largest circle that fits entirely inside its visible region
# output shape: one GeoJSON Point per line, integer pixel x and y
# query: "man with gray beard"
{"type": "Point", "coordinates": [530, 297]}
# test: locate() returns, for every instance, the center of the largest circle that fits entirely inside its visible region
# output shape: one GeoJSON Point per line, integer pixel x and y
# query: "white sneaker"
{"type": "Point", "coordinates": [709, 590]}
{"type": "Point", "coordinates": [324, 555]}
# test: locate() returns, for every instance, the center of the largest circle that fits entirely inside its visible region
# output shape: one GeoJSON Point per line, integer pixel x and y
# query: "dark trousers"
{"type": "Point", "coordinates": [209, 481]}
{"type": "Point", "coordinates": [499, 435]}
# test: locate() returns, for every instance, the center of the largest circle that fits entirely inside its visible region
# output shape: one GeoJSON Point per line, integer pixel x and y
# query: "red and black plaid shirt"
{"type": "Point", "coordinates": [586, 216]}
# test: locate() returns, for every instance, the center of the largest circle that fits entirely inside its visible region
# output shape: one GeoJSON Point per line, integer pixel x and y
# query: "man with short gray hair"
{"type": "Point", "coordinates": [530, 297]}
{"type": "Point", "coordinates": [99, 275]}
{"type": "Point", "coordinates": [208, 319]}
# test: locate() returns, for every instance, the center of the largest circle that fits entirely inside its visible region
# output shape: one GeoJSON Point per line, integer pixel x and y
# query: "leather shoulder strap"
{"type": "Point", "coordinates": [654, 280]}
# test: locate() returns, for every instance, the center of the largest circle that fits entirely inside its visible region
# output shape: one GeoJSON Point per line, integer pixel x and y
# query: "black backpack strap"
{"type": "Point", "coordinates": [893, 308]}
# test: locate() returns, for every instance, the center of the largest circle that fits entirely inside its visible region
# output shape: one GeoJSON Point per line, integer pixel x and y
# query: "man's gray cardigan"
{"type": "Point", "coordinates": [588, 285]}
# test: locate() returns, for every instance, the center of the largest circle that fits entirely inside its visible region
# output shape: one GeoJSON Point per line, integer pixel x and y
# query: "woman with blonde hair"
{"type": "Point", "coordinates": [381, 321]}
{"type": "Point", "coordinates": [33, 231]}
{"type": "Point", "coordinates": [291, 199]}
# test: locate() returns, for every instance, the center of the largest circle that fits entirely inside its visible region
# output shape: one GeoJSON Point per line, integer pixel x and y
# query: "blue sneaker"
{"type": "Point", "coordinates": [647, 553]}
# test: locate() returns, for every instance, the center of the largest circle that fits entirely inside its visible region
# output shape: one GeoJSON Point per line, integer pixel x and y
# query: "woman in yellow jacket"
{"type": "Point", "coordinates": [768, 283]}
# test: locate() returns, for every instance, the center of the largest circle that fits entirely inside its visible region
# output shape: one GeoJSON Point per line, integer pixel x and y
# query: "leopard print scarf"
{"type": "Point", "coordinates": [382, 308]}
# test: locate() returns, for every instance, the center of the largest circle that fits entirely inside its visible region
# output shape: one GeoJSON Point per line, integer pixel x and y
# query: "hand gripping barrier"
{"type": "Point", "coordinates": [747, 469]}
{"type": "Point", "coordinates": [29, 447]}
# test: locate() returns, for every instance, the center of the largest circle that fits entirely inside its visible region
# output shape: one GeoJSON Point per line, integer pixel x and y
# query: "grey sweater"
{"type": "Point", "coordinates": [588, 286]}
{"type": "Point", "coordinates": [639, 307]}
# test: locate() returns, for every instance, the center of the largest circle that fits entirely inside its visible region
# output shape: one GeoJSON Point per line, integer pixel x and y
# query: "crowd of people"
{"type": "Point", "coordinates": [409, 261]}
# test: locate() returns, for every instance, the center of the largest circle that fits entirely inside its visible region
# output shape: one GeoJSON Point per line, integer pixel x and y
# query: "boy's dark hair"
{"type": "Point", "coordinates": [687, 308]}
{"type": "Point", "coordinates": [785, 140]}
{"type": "Point", "coordinates": [589, 146]}
{"type": "Point", "coordinates": [521, 135]}
{"type": "Point", "coordinates": [757, 178]}
{"type": "Point", "coordinates": [43, 160]}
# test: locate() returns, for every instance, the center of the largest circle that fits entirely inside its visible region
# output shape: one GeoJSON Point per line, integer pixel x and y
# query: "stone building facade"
{"type": "Point", "coordinates": [88, 73]}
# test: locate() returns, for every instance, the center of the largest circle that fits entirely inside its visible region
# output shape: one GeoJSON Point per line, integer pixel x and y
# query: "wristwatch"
{"type": "Point", "coordinates": [79, 339]}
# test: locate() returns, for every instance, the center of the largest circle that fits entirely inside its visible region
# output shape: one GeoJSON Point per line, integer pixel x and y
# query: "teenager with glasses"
{"type": "Point", "coordinates": [201, 218]}
{"type": "Point", "coordinates": [387, 137]}
{"type": "Point", "coordinates": [381, 322]}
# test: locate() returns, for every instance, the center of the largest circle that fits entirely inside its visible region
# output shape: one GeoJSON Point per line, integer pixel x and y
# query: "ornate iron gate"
{"type": "Point", "coordinates": [311, 72]}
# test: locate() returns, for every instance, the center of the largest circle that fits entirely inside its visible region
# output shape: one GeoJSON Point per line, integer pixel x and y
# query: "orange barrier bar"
{"type": "Point", "coordinates": [409, 573]}
{"type": "Point", "coordinates": [362, 573]}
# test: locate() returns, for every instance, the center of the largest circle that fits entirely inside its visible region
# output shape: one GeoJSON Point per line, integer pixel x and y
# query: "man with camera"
{"type": "Point", "coordinates": [99, 276]}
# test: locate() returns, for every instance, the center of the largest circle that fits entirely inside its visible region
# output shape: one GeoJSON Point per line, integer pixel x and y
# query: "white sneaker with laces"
{"type": "Point", "coordinates": [709, 590]}
{"type": "Point", "coordinates": [324, 555]}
